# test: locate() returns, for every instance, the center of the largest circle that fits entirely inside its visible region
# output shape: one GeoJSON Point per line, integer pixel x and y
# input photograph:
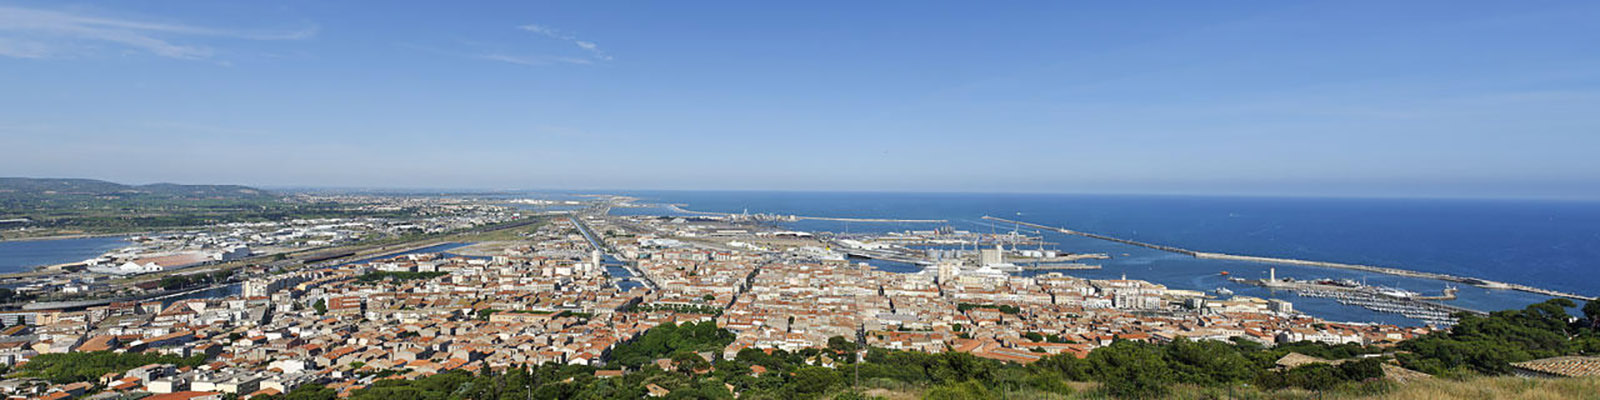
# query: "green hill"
{"type": "Point", "coordinates": [50, 206]}
{"type": "Point", "coordinates": [47, 189]}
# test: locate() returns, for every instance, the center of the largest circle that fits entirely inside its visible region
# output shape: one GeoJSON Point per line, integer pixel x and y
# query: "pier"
{"type": "Point", "coordinates": [1058, 266]}
{"type": "Point", "coordinates": [1485, 283]}
{"type": "Point", "coordinates": [1165, 248]}
{"type": "Point", "coordinates": [889, 220]}
{"type": "Point", "coordinates": [791, 218]}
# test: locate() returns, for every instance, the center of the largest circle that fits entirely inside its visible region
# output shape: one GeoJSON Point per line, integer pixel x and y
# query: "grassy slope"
{"type": "Point", "coordinates": [1504, 387]}
{"type": "Point", "coordinates": [1476, 388]}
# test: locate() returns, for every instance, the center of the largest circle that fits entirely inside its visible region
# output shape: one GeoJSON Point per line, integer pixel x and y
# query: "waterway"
{"type": "Point", "coordinates": [20, 256]}
{"type": "Point", "coordinates": [616, 268]}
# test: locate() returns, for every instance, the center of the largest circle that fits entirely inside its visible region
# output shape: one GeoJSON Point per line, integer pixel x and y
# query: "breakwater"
{"type": "Point", "coordinates": [790, 218]}
{"type": "Point", "coordinates": [1484, 283]}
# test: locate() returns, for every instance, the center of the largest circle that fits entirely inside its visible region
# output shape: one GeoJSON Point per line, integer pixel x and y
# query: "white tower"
{"type": "Point", "coordinates": [594, 261]}
{"type": "Point", "coordinates": [948, 272]}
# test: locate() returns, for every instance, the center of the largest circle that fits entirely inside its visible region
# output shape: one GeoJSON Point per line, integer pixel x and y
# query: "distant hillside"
{"type": "Point", "coordinates": [51, 188]}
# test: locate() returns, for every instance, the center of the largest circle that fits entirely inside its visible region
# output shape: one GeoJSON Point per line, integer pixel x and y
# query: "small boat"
{"type": "Point", "coordinates": [1223, 291]}
{"type": "Point", "coordinates": [1224, 273]}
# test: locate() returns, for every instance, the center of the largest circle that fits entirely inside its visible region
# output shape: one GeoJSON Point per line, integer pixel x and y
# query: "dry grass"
{"type": "Point", "coordinates": [892, 394]}
{"type": "Point", "coordinates": [1478, 388]}
{"type": "Point", "coordinates": [1505, 387]}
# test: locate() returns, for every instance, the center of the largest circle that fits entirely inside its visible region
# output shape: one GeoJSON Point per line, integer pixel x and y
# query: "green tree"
{"type": "Point", "coordinates": [969, 390]}
{"type": "Point", "coordinates": [1314, 376]}
{"type": "Point", "coordinates": [1591, 312]}
{"type": "Point", "coordinates": [809, 382]}
{"type": "Point", "coordinates": [89, 366]}
{"type": "Point", "coordinates": [1131, 369]}
{"type": "Point", "coordinates": [307, 392]}
{"type": "Point", "coordinates": [1366, 368]}
{"type": "Point", "coordinates": [1489, 344]}
{"type": "Point", "coordinates": [957, 367]}
{"type": "Point", "coordinates": [840, 344]}
{"type": "Point", "coordinates": [1067, 366]}
{"type": "Point", "coordinates": [688, 362]}
{"type": "Point", "coordinates": [667, 339]}
{"type": "Point", "coordinates": [1207, 362]}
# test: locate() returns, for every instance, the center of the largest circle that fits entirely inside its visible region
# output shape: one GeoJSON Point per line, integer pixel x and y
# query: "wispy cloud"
{"type": "Point", "coordinates": [40, 33]}
{"type": "Point", "coordinates": [587, 46]}
{"type": "Point", "coordinates": [23, 48]}
{"type": "Point", "coordinates": [535, 60]}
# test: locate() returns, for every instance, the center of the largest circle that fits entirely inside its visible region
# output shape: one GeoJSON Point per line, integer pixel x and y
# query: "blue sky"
{"type": "Point", "coordinates": [1450, 98]}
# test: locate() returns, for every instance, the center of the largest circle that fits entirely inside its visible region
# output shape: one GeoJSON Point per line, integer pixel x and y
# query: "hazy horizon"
{"type": "Point", "coordinates": [467, 190]}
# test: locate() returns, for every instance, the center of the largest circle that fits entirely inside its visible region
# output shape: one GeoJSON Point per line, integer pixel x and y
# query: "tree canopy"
{"type": "Point", "coordinates": [89, 366]}
{"type": "Point", "coordinates": [1489, 344]}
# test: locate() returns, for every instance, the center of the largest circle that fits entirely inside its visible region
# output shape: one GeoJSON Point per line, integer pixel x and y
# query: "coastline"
{"type": "Point", "coordinates": [74, 236]}
{"type": "Point", "coordinates": [1480, 282]}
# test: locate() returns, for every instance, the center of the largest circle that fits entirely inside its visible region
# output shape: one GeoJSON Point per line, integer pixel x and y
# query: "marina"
{"type": "Point", "coordinates": [1375, 298]}
{"type": "Point", "coordinates": [1484, 283]}
{"type": "Point", "coordinates": [1431, 313]}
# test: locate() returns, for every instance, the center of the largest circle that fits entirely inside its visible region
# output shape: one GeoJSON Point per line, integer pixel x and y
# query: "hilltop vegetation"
{"type": "Point", "coordinates": [672, 340]}
{"type": "Point", "coordinates": [1125, 369]}
{"type": "Point", "coordinates": [1489, 344]}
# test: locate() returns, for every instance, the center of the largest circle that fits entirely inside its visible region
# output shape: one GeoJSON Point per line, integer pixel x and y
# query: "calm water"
{"type": "Point", "coordinates": [24, 255]}
{"type": "Point", "coordinates": [1547, 244]}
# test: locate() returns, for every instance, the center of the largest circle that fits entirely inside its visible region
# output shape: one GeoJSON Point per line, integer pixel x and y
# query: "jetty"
{"type": "Point", "coordinates": [1484, 283]}
{"type": "Point", "coordinates": [1057, 266]}
{"type": "Point", "coordinates": [792, 218]}
{"type": "Point", "coordinates": [889, 220]}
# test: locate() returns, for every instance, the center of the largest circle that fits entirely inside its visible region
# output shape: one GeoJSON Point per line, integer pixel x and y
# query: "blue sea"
{"type": "Point", "coordinates": [1548, 244]}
